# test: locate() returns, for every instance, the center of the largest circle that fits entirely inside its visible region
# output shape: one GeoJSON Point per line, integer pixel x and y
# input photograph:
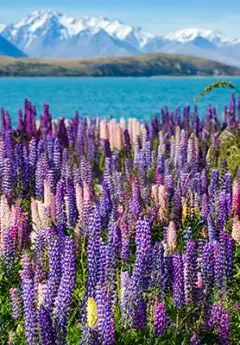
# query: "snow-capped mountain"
{"type": "Point", "coordinates": [48, 33]}
{"type": "Point", "coordinates": [189, 35]}
{"type": "Point", "coordinates": [52, 34]}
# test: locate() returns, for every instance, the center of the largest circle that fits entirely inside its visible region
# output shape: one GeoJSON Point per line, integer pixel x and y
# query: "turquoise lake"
{"type": "Point", "coordinates": [116, 97]}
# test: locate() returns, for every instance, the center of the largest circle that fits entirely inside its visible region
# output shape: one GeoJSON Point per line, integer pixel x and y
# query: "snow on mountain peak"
{"type": "Point", "coordinates": [70, 26]}
{"type": "Point", "coordinates": [188, 35]}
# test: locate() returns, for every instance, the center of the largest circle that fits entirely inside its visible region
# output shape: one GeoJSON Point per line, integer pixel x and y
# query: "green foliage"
{"type": "Point", "coordinates": [215, 85]}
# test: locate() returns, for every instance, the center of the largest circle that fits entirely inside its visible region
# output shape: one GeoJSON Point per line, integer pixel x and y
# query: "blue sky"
{"type": "Point", "coordinates": [159, 16]}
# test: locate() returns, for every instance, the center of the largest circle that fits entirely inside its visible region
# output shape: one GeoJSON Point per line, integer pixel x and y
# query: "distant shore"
{"type": "Point", "coordinates": [147, 65]}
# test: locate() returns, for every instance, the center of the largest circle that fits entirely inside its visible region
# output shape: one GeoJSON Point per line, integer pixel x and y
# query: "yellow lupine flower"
{"type": "Point", "coordinates": [184, 210]}
{"type": "Point", "coordinates": [92, 314]}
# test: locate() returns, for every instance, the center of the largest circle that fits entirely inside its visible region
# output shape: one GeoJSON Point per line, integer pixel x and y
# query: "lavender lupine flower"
{"type": "Point", "coordinates": [30, 316]}
{"type": "Point", "coordinates": [54, 275]}
{"type": "Point", "coordinates": [190, 272]}
{"type": "Point", "coordinates": [159, 319]}
{"type": "Point", "coordinates": [46, 327]}
{"type": "Point", "coordinates": [178, 280]}
{"type": "Point", "coordinates": [17, 307]}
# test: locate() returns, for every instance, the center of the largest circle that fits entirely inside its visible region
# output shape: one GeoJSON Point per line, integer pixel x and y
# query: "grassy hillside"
{"type": "Point", "coordinates": [136, 66]}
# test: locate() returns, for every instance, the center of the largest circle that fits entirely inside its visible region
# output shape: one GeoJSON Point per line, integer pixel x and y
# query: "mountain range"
{"type": "Point", "coordinates": [50, 34]}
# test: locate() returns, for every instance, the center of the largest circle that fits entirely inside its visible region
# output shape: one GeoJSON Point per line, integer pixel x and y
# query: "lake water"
{"type": "Point", "coordinates": [117, 97]}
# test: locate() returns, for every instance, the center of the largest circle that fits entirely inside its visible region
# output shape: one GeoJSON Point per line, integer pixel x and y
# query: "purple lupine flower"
{"type": "Point", "coordinates": [222, 210]}
{"type": "Point", "coordinates": [8, 249]}
{"type": "Point", "coordinates": [159, 319]}
{"type": "Point", "coordinates": [127, 142]}
{"type": "Point", "coordinates": [212, 235]}
{"type": "Point", "coordinates": [204, 181]}
{"type": "Point", "coordinates": [57, 157]}
{"type": "Point", "coordinates": [46, 327]}
{"type": "Point", "coordinates": [89, 336]}
{"type": "Point", "coordinates": [103, 262]}
{"type": "Point", "coordinates": [42, 168]}
{"type": "Point", "coordinates": [73, 214]}
{"type": "Point", "coordinates": [54, 274]}
{"type": "Point", "coordinates": [141, 272]}
{"type": "Point", "coordinates": [105, 316]}
{"type": "Point", "coordinates": [187, 235]}
{"type": "Point", "coordinates": [224, 329]}
{"type": "Point", "coordinates": [7, 179]}
{"type": "Point", "coordinates": [17, 302]}
{"type": "Point", "coordinates": [215, 315]}
{"type": "Point", "coordinates": [64, 296]}
{"type": "Point", "coordinates": [93, 253]}
{"type": "Point", "coordinates": [113, 255]}
{"type": "Point", "coordinates": [106, 148]}
{"type": "Point", "coordinates": [27, 268]}
{"type": "Point", "coordinates": [190, 272]}
{"type": "Point", "coordinates": [60, 203]}
{"type": "Point", "coordinates": [135, 202]}
{"type": "Point", "coordinates": [178, 280]}
{"type": "Point", "coordinates": [30, 316]}
{"type": "Point", "coordinates": [124, 288]}
{"type": "Point", "coordinates": [177, 208]}
{"type": "Point", "coordinates": [125, 236]}
{"type": "Point", "coordinates": [218, 267]}
{"type": "Point", "coordinates": [204, 211]}
{"type": "Point", "coordinates": [208, 265]}
{"type": "Point", "coordinates": [158, 276]}
{"type": "Point", "coordinates": [140, 319]}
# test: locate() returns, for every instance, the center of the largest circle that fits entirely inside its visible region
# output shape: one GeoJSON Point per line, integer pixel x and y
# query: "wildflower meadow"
{"type": "Point", "coordinates": [120, 232]}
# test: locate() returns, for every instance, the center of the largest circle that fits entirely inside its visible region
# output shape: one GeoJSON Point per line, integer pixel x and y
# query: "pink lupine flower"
{"type": "Point", "coordinates": [236, 229]}
{"type": "Point", "coordinates": [171, 236]}
{"type": "Point", "coordinates": [163, 211]}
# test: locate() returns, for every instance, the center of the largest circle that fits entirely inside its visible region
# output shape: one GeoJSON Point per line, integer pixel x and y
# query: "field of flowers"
{"type": "Point", "coordinates": [120, 233]}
